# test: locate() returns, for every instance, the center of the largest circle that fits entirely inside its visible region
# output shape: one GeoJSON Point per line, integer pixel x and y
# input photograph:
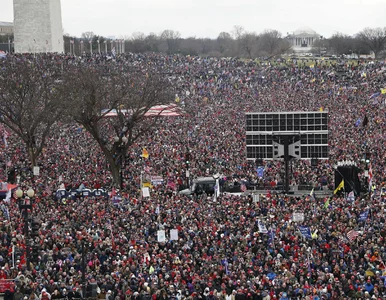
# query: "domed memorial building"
{"type": "Point", "coordinates": [303, 39]}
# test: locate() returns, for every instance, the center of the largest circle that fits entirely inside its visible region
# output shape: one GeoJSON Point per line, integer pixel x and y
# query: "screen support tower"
{"type": "Point", "coordinates": [286, 147]}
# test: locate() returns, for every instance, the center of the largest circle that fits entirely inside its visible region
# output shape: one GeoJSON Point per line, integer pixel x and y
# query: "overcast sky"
{"type": "Point", "coordinates": [207, 18]}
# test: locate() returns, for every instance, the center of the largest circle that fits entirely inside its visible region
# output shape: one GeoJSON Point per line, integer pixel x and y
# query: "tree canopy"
{"type": "Point", "coordinates": [94, 93]}
{"type": "Point", "coordinates": [29, 103]}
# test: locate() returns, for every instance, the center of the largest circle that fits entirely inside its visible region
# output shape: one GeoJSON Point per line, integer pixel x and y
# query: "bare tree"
{"type": "Point", "coordinates": [247, 43]}
{"type": "Point", "coordinates": [374, 38]}
{"type": "Point", "coordinates": [152, 42]}
{"type": "Point", "coordinates": [271, 43]}
{"type": "Point", "coordinates": [88, 35]}
{"type": "Point", "coordinates": [341, 43]}
{"type": "Point", "coordinates": [94, 93]}
{"type": "Point", "coordinates": [238, 31]}
{"type": "Point", "coordinates": [225, 42]}
{"type": "Point", "coordinates": [29, 104]}
{"type": "Point", "coordinates": [172, 39]}
{"type": "Point", "coordinates": [138, 42]}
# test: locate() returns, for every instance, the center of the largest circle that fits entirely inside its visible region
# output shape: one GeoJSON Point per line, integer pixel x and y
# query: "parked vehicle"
{"type": "Point", "coordinates": [200, 185]}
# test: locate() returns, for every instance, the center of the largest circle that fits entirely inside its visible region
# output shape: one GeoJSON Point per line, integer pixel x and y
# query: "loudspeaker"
{"type": "Point", "coordinates": [351, 179]}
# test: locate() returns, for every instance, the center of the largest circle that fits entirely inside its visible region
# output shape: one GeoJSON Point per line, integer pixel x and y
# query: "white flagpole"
{"type": "Point", "coordinates": [141, 184]}
{"type": "Point", "coordinates": [13, 256]}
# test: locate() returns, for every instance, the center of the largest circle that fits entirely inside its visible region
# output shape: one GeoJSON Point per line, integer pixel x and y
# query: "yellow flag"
{"type": "Point", "coordinates": [147, 184]}
{"type": "Point", "coordinates": [321, 108]}
{"type": "Point", "coordinates": [383, 91]}
{"type": "Point", "coordinates": [145, 154]}
{"type": "Point", "coordinates": [312, 66]}
{"type": "Point", "coordinates": [313, 80]}
{"type": "Point", "coordinates": [339, 187]}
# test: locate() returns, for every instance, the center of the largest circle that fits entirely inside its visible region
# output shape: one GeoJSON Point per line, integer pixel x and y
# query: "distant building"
{"type": "Point", "coordinates": [303, 39]}
{"type": "Point", "coordinates": [6, 28]}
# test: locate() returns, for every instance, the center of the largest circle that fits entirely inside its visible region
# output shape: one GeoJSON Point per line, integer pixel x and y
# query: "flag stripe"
{"type": "Point", "coordinates": [352, 235]}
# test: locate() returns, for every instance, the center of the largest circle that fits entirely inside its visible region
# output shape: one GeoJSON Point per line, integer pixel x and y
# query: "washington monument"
{"type": "Point", "coordinates": [38, 26]}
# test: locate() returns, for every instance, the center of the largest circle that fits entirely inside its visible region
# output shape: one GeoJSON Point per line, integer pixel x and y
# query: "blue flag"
{"type": "Point", "coordinates": [363, 216]}
{"type": "Point", "coordinates": [260, 172]}
{"type": "Point", "coordinates": [375, 95]}
{"type": "Point", "coordinates": [305, 231]}
{"type": "Point", "coordinates": [224, 262]}
{"type": "Point", "coordinates": [271, 236]}
{"type": "Point", "coordinates": [358, 122]}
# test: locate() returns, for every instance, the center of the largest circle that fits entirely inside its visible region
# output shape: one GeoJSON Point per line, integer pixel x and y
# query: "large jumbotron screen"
{"type": "Point", "coordinates": [263, 129]}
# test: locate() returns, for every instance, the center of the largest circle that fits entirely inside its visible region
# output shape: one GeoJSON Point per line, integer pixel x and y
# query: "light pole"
{"type": "Point", "coordinates": [120, 143]}
{"type": "Point", "coordinates": [25, 204]}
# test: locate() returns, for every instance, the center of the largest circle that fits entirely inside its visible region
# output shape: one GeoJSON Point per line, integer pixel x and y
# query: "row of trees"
{"type": "Point", "coordinates": [239, 42]}
{"type": "Point", "coordinates": [366, 41]}
{"type": "Point", "coordinates": [242, 43]}
{"type": "Point", "coordinates": [33, 98]}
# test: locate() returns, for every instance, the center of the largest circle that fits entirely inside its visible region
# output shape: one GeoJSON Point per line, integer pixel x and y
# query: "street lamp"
{"type": "Point", "coordinates": [25, 204]}
{"type": "Point", "coordinates": [121, 144]}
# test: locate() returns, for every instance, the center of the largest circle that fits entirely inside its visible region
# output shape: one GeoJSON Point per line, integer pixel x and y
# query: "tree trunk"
{"type": "Point", "coordinates": [115, 169]}
{"type": "Point", "coordinates": [32, 156]}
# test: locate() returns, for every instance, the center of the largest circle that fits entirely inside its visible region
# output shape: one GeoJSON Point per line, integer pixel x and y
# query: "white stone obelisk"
{"type": "Point", "coordinates": [38, 26]}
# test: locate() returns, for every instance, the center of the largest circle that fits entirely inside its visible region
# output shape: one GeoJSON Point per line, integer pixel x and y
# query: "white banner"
{"type": "Point", "coordinates": [174, 234]}
{"type": "Point", "coordinates": [262, 227]}
{"type": "Point", "coordinates": [298, 217]}
{"type": "Point", "coordinates": [256, 198]}
{"type": "Point", "coordinates": [161, 236]}
{"type": "Point", "coordinates": [36, 171]}
{"type": "Point", "coordinates": [145, 192]}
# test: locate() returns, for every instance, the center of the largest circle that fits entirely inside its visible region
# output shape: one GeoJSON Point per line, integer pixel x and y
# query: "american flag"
{"type": "Point", "coordinates": [352, 235]}
{"type": "Point", "coordinates": [370, 177]}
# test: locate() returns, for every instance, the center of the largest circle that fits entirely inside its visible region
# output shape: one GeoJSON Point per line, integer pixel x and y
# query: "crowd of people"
{"type": "Point", "coordinates": [228, 247]}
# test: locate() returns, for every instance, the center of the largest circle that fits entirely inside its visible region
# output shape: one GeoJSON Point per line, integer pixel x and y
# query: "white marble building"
{"type": "Point", "coordinates": [303, 39]}
{"type": "Point", "coordinates": [38, 26]}
{"type": "Point", "coordinates": [6, 28]}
